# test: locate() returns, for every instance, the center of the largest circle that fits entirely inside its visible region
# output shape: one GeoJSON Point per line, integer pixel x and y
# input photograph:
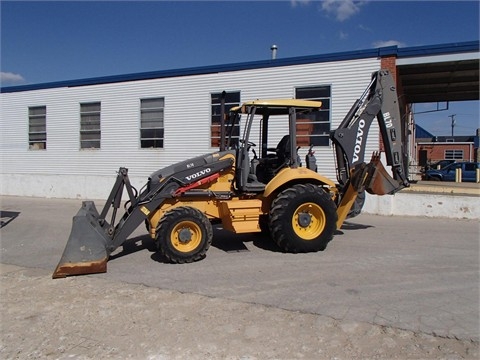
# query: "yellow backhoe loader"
{"type": "Point", "coordinates": [246, 192]}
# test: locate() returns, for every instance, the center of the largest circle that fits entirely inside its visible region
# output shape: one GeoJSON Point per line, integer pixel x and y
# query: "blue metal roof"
{"type": "Point", "coordinates": [451, 48]}
{"type": "Point", "coordinates": [421, 133]}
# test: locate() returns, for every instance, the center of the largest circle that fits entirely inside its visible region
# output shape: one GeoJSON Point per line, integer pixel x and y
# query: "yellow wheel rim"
{"type": "Point", "coordinates": [186, 236]}
{"type": "Point", "coordinates": [308, 221]}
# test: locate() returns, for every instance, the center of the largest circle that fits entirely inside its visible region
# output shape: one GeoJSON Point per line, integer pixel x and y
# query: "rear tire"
{"type": "Point", "coordinates": [263, 223]}
{"type": "Point", "coordinates": [303, 219]}
{"type": "Point", "coordinates": [184, 235]}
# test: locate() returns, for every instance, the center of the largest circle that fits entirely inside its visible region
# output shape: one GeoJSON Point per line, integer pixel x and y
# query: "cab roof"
{"type": "Point", "coordinates": [277, 106]}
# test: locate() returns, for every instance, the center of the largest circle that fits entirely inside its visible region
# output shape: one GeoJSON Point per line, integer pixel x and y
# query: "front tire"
{"type": "Point", "coordinates": [303, 219]}
{"type": "Point", "coordinates": [184, 235]}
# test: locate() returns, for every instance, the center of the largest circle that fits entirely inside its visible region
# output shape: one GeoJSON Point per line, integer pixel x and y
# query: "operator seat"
{"type": "Point", "coordinates": [268, 166]}
{"type": "Point", "coordinates": [283, 150]}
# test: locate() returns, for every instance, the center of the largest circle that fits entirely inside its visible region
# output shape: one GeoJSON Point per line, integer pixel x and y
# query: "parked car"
{"type": "Point", "coordinates": [439, 164]}
{"type": "Point", "coordinates": [469, 172]}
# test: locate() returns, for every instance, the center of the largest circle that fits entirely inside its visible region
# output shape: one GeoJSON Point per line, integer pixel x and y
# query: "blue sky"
{"type": "Point", "coordinates": [53, 41]}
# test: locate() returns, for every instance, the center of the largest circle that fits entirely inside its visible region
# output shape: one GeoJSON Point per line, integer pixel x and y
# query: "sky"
{"type": "Point", "coordinates": [46, 41]}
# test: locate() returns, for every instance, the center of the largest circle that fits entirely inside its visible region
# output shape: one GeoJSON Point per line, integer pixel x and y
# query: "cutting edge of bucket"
{"type": "Point", "coordinates": [81, 268]}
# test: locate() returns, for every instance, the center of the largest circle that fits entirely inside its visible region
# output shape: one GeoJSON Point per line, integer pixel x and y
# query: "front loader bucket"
{"type": "Point", "coordinates": [86, 249]}
{"type": "Point", "coordinates": [380, 182]}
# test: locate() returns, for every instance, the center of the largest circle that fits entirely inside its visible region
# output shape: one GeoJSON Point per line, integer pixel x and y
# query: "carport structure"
{"type": "Point", "coordinates": [439, 73]}
{"type": "Point", "coordinates": [433, 74]}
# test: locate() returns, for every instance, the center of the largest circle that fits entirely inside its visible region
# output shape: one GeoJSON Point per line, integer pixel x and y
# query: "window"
{"type": "Point", "coordinates": [453, 154]}
{"type": "Point", "coordinates": [232, 99]}
{"type": "Point", "coordinates": [314, 128]}
{"type": "Point", "coordinates": [151, 122]}
{"type": "Point", "coordinates": [37, 128]}
{"type": "Point", "coordinates": [470, 167]}
{"type": "Point", "coordinates": [90, 134]}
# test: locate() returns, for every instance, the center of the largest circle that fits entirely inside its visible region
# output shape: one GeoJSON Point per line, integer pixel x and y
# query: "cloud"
{"type": "Point", "coordinates": [342, 9]}
{"type": "Point", "coordinates": [343, 35]}
{"type": "Point", "coordinates": [381, 43]}
{"type": "Point", "coordinates": [365, 28]}
{"type": "Point", "coordinates": [294, 3]}
{"type": "Point", "coordinates": [11, 78]}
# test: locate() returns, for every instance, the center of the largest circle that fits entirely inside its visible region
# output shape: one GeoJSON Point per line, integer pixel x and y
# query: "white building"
{"type": "Point", "coordinates": [67, 139]}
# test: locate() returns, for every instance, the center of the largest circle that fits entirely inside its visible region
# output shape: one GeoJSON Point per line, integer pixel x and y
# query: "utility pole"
{"type": "Point", "coordinates": [453, 121]}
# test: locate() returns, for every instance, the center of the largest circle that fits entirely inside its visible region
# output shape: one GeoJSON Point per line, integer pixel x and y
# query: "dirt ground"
{"type": "Point", "coordinates": [91, 318]}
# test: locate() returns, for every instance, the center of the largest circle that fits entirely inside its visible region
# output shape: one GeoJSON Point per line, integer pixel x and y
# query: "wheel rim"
{"type": "Point", "coordinates": [308, 221]}
{"type": "Point", "coordinates": [186, 236]}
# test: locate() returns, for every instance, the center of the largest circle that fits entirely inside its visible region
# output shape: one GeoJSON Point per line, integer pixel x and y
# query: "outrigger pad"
{"type": "Point", "coordinates": [86, 249]}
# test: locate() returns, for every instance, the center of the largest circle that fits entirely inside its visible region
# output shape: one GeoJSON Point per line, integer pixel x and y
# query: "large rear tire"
{"type": "Point", "coordinates": [184, 235]}
{"type": "Point", "coordinates": [303, 219]}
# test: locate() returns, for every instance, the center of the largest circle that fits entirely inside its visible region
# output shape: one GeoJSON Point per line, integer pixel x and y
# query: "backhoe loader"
{"type": "Point", "coordinates": [248, 192]}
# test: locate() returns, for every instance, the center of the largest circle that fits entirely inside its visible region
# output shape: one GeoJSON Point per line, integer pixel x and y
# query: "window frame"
{"type": "Point", "coordinates": [214, 128]}
{"type": "Point", "coordinates": [453, 153]}
{"type": "Point", "coordinates": [32, 142]}
{"type": "Point", "coordinates": [326, 100]}
{"type": "Point", "coordinates": [142, 129]}
{"type": "Point", "coordinates": [97, 128]}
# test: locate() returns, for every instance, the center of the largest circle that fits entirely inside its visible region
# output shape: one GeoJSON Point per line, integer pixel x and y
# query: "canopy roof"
{"type": "Point", "coordinates": [278, 106]}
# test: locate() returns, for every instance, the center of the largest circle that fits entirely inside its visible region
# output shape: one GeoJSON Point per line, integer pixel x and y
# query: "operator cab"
{"type": "Point", "coordinates": [254, 172]}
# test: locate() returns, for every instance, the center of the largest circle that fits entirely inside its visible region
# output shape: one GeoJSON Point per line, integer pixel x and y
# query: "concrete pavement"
{"type": "Point", "coordinates": [89, 317]}
{"type": "Point", "coordinates": [412, 273]}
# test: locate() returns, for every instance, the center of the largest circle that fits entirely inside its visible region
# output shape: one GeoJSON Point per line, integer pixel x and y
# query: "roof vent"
{"type": "Point", "coordinates": [274, 51]}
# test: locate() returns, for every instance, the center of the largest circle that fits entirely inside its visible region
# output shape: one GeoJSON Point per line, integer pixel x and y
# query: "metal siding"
{"type": "Point", "coordinates": [186, 119]}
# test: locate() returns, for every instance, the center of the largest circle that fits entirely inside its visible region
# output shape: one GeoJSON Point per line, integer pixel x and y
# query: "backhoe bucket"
{"type": "Point", "coordinates": [86, 249]}
{"type": "Point", "coordinates": [380, 182]}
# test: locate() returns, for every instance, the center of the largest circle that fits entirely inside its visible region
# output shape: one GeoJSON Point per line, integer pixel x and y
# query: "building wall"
{"type": "Point", "coordinates": [63, 170]}
{"type": "Point", "coordinates": [436, 151]}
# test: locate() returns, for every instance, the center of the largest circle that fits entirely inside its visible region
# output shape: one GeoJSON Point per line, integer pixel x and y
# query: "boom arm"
{"type": "Point", "coordinates": [379, 100]}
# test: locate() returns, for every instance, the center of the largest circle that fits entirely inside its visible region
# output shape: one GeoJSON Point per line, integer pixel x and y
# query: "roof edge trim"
{"type": "Point", "coordinates": [470, 46]}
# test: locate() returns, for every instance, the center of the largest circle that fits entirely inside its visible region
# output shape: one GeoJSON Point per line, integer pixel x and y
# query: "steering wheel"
{"type": "Point", "coordinates": [249, 143]}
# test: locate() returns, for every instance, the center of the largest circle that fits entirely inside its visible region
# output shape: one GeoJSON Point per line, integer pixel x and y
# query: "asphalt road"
{"type": "Point", "coordinates": [416, 274]}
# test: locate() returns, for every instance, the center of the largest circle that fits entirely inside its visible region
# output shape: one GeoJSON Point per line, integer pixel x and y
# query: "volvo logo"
{"type": "Point", "coordinates": [198, 174]}
{"type": "Point", "coordinates": [359, 140]}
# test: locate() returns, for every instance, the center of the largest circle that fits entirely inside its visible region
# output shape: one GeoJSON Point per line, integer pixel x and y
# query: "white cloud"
{"type": "Point", "coordinates": [342, 9]}
{"type": "Point", "coordinates": [381, 43]}
{"type": "Point", "coordinates": [365, 28]}
{"type": "Point", "coordinates": [11, 78]}
{"type": "Point", "coordinates": [343, 35]}
{"type": "Point", "coordinates": [294, 3]}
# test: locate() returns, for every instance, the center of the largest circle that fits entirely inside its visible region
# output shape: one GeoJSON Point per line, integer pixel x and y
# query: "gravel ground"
{"type": "Point", "coordinates": [89, 317]}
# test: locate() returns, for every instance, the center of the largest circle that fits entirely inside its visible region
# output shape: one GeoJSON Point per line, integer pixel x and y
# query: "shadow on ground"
{"type": "Point", "coordinates": [133, 245]}
{"type": "Point", "coordinates": [348, 225]}
{"type": "Point", "coordinates": [222, 239]}
{"type": "Point", "coordinates": [7, 217]}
